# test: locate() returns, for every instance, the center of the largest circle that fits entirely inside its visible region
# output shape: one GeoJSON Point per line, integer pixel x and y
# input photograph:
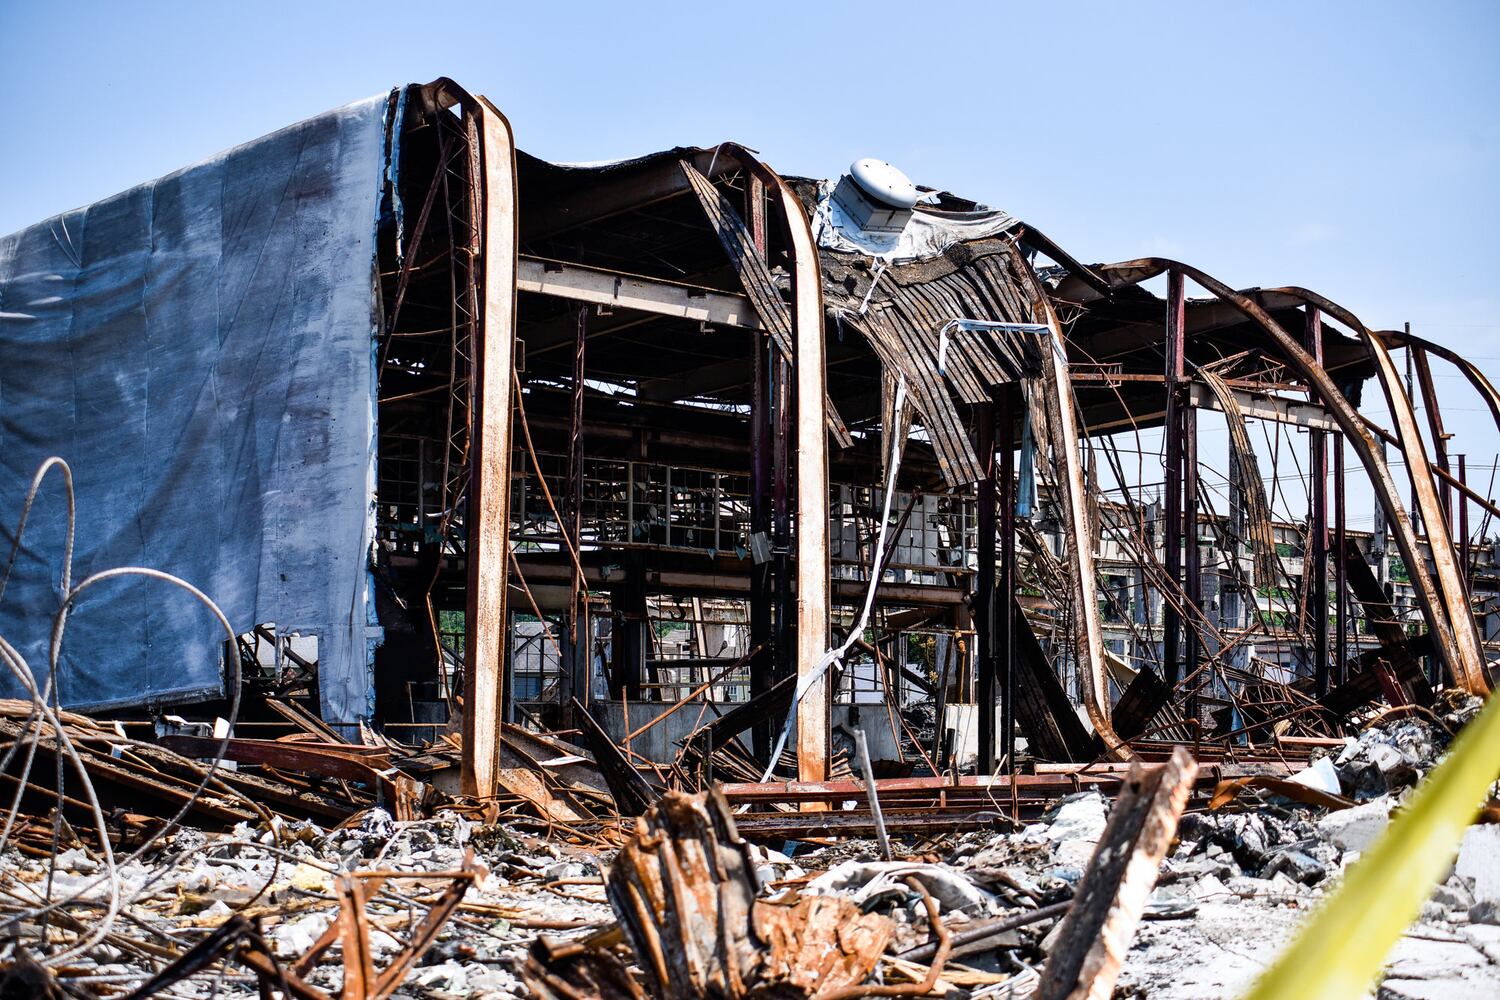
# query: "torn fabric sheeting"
{"type": "Point", "coordinates": [926, 235]}
{"type": "Point", "coordinates": [199, 349]}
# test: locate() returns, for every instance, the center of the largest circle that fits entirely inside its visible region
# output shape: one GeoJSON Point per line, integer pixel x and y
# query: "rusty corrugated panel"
{"type": "Point", "coordinates": [760, 286]}
{"type": "Point", "coordinates": [899, 352]}
{"type": "Point", "coordinates": [903, 319]}
{"type": "Point", "coordinates": [756, 278]}
{"type": "Point", "coordinates": [1257, 510]}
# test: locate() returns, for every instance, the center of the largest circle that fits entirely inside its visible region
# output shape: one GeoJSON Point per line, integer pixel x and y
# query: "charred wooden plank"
{"type": "Point", "coordinates": [633, 794]}
{"type": "Point", "coordinates": [1096, 933]}
{"type": "Point", "coordinates": [1043, 711]}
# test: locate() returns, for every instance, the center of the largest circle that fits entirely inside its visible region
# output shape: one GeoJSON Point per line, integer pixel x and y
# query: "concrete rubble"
{"type": "Point", "coordinates": [1232, 888]}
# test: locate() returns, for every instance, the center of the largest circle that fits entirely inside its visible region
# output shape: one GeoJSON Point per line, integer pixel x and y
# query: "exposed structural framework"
{"type": "Point", "coordinates": [718, 465]}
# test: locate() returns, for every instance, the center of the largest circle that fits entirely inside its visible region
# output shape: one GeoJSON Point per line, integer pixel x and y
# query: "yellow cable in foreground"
{"type": "Point", "coordinates": [1340, 949]}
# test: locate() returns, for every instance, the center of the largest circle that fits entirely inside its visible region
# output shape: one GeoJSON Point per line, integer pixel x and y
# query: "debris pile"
{"type": "Point", "coordinates": [680, 903]}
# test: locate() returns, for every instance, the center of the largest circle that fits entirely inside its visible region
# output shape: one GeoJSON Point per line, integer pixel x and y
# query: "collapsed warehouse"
{"type": "Point", "coordinates": [532, 493]}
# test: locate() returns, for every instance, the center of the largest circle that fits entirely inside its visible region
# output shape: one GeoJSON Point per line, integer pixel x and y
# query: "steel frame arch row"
{"type": "Point", "coordinates": [1449, 577]}
{"type": "Point", "coordinates": [1397, 338]}
{"type": "Point", "coordinates": [1443, 604]}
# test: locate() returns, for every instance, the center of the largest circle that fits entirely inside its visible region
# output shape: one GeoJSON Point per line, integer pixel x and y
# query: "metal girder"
{"type": "Point", "coordinates": [1264, 406]}
{"type": "Point", "coordinates": [1315, 565]}
{"type": "Point", "coordinates": [620, 290]}
{"type": "Point", "coordinates": [549, 579]}
{"type": "Point", "coordinates": [1172, 479]}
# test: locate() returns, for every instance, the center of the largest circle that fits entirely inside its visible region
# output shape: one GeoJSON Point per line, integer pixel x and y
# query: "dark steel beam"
{"type": "Point", "coordinates": [1315, 566]}
{"type": "Point", "coordinates": [983, 600]}
{"type": "Point", "coordinates": [1192, 552]}
{"type": "Point", "coordinates": [1340, 568]}
{"type": "Point", "coordinates": [1172, 500]}
{"type": "Point", "coordinates": [1005, 645]}
{"type": "Point", "coordinates": [763, 663]}
{"type": "Point", "coordinates": [1463, 525]}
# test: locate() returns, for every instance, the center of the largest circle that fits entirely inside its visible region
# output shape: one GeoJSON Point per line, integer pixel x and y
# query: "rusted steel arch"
{"type": "Point", "coordinates": [1449, 575]}
{"type": "Point", "coordinates": [1445, 609]}
{"type": "Point", "coordinates": [1398, 338]}
{"type": "Point", "coordinates": [1486, 389]}
{"type": "Point", "coordinates": [1088, 634]}
{"type": "Point", "coordinates": [812, 485]}
{"type": "Point", "coordinates": [495, 204]}
{"type": "Point", "coordinates": [496, 211]}
{"type": "Point", "coordinates": [813, 709]}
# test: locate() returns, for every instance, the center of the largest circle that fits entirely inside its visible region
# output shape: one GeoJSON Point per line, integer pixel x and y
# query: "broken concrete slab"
{"type": "Point", "coordinates": [1357, 828]}
{"type": "Point", "coordinates": [1479, 861]}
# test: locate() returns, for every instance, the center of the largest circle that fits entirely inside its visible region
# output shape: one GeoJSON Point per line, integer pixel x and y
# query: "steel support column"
{"type": "Point", "coordinates": [1340, 568]}
{"type": "Point", "coordinates": [1464, 555]}
{"type": "Point", "coordinates": [1192, 553]}
{"type": "Point", "coordinates": [1315, 564]}
{"type": "Point", "coordinates": [1411, 396]}
{"type": "Point", "coordinates": [983, 598]}
{"type": "Point", "coordinates": [1172, 488]}
{"type": "Point", "coordinates": [781, 517]}
{"type": "Point", "coordinates": [1005, 634]}
{"type": "Point", "coordinates": [763, 663]}
{"type": "Point", "coordinates": [574, 681]}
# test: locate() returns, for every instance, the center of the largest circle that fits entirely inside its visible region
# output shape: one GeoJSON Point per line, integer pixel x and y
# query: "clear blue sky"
{"type": "Point", "coordinates": [1353, 148]}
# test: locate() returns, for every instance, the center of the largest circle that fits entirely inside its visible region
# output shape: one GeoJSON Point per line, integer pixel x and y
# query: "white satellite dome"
{"type": "Point", "coordinates": [884, 183]}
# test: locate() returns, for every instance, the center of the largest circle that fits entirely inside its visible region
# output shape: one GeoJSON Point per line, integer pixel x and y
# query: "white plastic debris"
{"type": "Point", "coordinates": [866, 881]}
{"type": "Point", "coordinates": [1479, 861]}
{"type": "Point", "coordinates": [1322, 775]}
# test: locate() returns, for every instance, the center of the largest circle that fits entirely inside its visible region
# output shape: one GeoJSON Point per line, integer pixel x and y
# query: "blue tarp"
{"type": "Point", "coordinates": [199, 350]}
